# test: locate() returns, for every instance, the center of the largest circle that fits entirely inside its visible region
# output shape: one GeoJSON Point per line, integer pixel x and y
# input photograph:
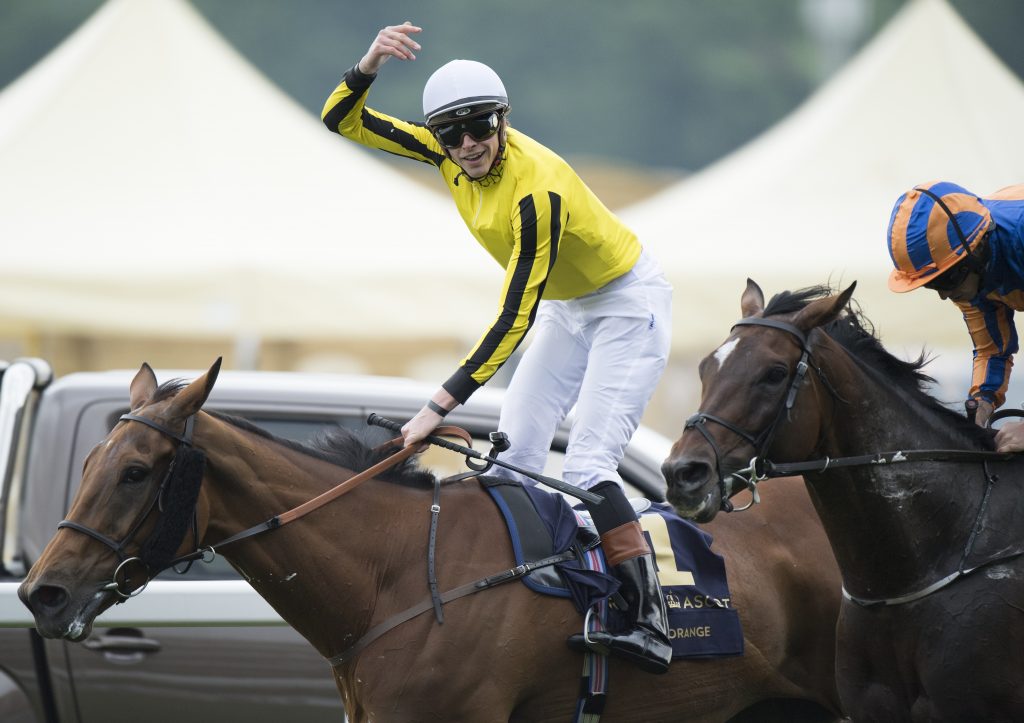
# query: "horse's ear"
{"type": "Point", "coordinates": [192, 398]}
{"type": "Point", "coordinates": [823, 310]}
{"type": "Point", "coordinates": [142, 386]}
{"type": "Point", "coordinates": [752, 301]}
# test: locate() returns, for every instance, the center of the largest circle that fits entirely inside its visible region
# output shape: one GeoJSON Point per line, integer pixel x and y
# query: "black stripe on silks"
{"type": "Point", "coordinates": [556, 238]}
{"type": "Point", "coordinates": [516, 289]}
{"type": "Point", "coordinates": [556, 227]}
{"type": "Point", "coordinates": [357, 82]}
{"type": "Point", "coordinates": [388, 130]}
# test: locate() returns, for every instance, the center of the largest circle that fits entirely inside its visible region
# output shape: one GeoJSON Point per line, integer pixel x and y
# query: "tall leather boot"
{"type": "Point", "coordinates": [645, 640]}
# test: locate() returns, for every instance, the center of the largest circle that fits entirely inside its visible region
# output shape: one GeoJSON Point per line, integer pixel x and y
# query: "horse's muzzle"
{"type": "Point", "coordinates": [691, 487]}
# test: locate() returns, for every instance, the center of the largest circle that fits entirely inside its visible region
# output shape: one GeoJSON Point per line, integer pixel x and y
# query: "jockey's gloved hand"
{"type": "Point", "coordinates": [1010, 437]}
{"type": "Point", "coordinates": [984, 412]}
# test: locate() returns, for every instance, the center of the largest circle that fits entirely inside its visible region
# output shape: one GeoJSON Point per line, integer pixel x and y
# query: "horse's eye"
{"type": "Point", "coordinates": [775, 375]}
{"type": "Point", "coordinates": [134, 475]}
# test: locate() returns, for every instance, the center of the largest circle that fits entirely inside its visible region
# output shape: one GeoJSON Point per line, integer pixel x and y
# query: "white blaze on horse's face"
{"type": "Point", "coordinates": [723, 352]}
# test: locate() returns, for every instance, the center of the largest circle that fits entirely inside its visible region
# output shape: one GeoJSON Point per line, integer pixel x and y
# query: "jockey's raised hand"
{"type": "Point", "coordinates": [391, 41]}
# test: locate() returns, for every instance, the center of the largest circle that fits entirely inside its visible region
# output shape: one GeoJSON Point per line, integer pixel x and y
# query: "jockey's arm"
{"type": "Point", "coordinates": [992, 331]}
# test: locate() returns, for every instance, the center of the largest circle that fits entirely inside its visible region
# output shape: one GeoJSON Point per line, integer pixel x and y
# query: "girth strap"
{"type": "Point", "coordinates": [426, 604]}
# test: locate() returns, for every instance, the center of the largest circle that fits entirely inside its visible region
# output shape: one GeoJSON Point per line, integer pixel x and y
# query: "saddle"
{"type": "Point", "coordinates": [702, 619]}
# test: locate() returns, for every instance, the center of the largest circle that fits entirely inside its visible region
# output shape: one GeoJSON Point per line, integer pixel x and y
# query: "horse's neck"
{"type": "Point", "coordinates": [323, 572]}
{"type": "Point", "coordinates": [889, 528]}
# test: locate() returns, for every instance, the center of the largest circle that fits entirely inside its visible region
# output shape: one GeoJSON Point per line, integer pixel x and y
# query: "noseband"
{"type": "Point", "coordinates": [120, 575]}
{"type": "Point", "coordinates": [761, 442]}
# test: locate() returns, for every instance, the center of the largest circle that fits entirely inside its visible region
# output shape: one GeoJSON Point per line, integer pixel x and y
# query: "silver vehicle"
{"type": "Point", "coordinates": [202, 646]}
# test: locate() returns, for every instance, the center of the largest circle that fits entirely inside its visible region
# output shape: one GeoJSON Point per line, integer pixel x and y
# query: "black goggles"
{"type": "Point", "coordinates": [950, 279]}
{"type": "Point", "coordinates": [479, 128]}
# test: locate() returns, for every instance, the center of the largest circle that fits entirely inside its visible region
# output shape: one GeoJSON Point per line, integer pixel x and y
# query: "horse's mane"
{"type": "Point", "coordinates": [338, 445]}
{"type": "Point", "coordinates": [347, 448]}
{"type": "Point", "coordinates": [855, 333]}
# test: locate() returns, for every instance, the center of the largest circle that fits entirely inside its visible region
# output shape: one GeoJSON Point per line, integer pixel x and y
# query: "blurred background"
{"type": "Point", "coordinates": [168, 193]}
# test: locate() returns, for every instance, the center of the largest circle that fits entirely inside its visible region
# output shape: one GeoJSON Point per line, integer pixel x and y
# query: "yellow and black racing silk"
{"type": "Point", "coordinates": [534, 215]}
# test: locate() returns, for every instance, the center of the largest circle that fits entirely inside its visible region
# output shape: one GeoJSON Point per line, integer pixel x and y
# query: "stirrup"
{"type": "Point", "coordinates": [595, 646]}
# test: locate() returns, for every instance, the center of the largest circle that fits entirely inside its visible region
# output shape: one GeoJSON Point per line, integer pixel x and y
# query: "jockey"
{"type": "Point", "coordinates": [598, 300]}
{"type": "Point", "coordinates": [969, 250]}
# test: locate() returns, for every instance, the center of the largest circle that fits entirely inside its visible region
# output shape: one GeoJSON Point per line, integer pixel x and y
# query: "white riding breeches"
{"type": "Point", "coordinates": [603, 352]}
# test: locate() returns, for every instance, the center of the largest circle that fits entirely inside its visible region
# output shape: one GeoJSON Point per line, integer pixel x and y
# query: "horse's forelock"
{"type": "Point", "coordinates": [168, 389]}
{"type": "Point", "coordinates": [790, 302]}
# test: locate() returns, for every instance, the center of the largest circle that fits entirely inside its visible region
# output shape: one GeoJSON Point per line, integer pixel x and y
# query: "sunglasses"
{"type": "Point", "coordinates": [950, 279]}
{"type": "Point", "coordinates": [479, 128]}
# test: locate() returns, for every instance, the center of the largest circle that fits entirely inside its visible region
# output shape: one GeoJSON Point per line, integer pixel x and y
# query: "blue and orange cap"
{"type": "Point", "coordinates": [924, 239]}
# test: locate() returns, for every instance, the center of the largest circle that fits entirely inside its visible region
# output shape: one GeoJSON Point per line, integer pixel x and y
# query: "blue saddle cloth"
{"type": "Point", "coordinates": [701, 616]}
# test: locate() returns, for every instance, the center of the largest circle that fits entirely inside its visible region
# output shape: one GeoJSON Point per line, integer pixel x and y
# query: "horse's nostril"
{"type": "Point", "coordinates": [688, 474]}
{"type": "Point", "coordinates": [48, 597]}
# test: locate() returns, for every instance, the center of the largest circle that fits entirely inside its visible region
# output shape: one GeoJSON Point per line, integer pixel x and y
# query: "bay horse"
{"type": "Point", "coordinates": [500, 655]}
{"type": "Point", "coordinates": [925, 520]}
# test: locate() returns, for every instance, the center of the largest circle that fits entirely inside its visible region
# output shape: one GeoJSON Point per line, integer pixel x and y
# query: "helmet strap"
{"type": "Point", "coordinates": [977, 264]}
{"type": "Point", "coordinates": [494, 173]}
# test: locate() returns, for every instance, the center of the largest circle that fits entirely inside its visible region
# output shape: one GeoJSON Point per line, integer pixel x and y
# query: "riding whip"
{"type": "Point", "coordinates": [378, 421]}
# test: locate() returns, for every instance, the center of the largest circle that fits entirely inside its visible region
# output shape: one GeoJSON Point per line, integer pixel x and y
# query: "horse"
{"type": "Point", "coordinates": [925, 520]}
{"type": "Point", "coordinates": [345, 567]}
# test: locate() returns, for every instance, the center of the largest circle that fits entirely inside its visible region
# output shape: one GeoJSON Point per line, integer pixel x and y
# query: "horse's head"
{"type": "Point", "coordinates": [750, 392]}
{"type": "Point", "coordinates": [138, 496]}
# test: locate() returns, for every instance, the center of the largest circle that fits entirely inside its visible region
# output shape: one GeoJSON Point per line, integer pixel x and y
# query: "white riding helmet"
{"type": "Point", "coordinates": [462, 88]}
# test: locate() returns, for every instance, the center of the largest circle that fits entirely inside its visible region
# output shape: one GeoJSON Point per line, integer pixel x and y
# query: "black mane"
{"type": "Point", "coordinates": [345, 448]}
{"type": "Point", "coordinates": [855, 333]}
{"type": "Point", "coordinates": [337, 445]}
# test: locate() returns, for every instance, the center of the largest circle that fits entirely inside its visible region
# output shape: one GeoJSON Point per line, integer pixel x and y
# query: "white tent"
{"type": "Point", "coordinates": [808, 201]}
{"type": "Point", "coordinates": [153, 182]}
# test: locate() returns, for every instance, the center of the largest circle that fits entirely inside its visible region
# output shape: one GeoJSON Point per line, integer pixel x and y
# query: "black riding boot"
{"type": "Point", "coordinates": [645, 639]}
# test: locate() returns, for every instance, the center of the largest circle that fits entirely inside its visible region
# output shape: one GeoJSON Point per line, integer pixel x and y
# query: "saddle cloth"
{"type": "Point", "coordinates": [702, 619]}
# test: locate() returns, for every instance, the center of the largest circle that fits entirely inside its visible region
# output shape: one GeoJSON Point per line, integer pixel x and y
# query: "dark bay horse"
{"type": "Point", "coordinates": [500, 655]}
{"type": "Point", "coordinates": [932, 622]}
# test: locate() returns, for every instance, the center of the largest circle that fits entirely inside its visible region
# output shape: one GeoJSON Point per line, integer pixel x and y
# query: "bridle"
{"type": "Point", "coordinates": [120, 576]}
{"type": "Point", "coordinates": [761, 468]}
{"type": "Point", "coordinates": [761, 442]}
{"type": "Point", "coordinates": [208, 553]}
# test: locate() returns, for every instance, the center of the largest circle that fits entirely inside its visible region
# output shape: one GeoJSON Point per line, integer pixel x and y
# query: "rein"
{"type": "Point", "coordinates": [208, 552]}
{"type": "Point", "coordinates": [329, 496]}
{"type": "Point", "coordinates": [786, 469]}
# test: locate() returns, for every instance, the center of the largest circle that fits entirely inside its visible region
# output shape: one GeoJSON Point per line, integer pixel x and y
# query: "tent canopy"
{"type": "Point", "coordinates": [808, 201]}
{"type": "Point", "coordinates": [154, 182]}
